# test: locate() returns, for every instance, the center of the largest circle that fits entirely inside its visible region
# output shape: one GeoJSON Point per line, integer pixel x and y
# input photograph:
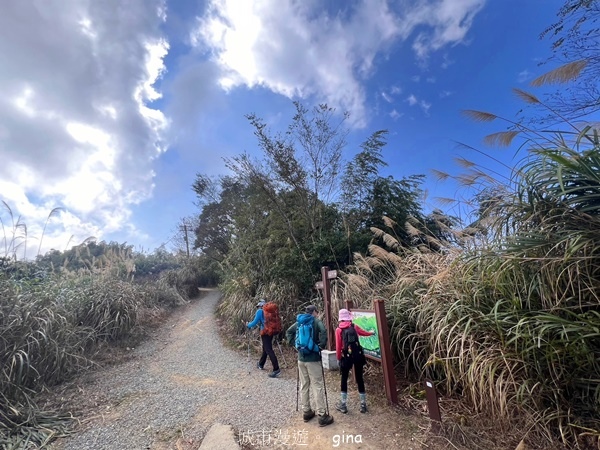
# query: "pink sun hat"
{"type": "Point", "coordinates": [345, 315]}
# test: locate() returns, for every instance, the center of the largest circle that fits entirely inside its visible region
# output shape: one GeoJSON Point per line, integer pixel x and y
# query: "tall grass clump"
{"type": "Point", "coordinates": [507, 317]}
{"type": "Point", "coordinates": [56, 314]}
{"type": "Point", "coordinates": [40, 345]}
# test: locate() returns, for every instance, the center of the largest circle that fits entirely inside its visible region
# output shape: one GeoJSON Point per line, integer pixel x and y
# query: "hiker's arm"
{"type": "Point", "coordinates": [290, 335]}
{"type": "Point", "coordinates": [257, 319]}
{"type": "Point", "coordinates": [338, 343]}
{"type": "Point", "coordinates": [362, 332]}
{"type": "Point", "coordinates": [322, 334]}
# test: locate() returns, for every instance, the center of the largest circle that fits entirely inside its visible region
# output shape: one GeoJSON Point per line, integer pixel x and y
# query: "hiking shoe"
{"type": "Point", "coordinates": [363, 408]}
{"type": "Point", "coordinates": [275, 373]}
{"type": "Point", "coordinates": [341, 407]}
{"type": "Point", "coordinates": [325, 420]}
{"type": "Point", "coordinates": [307, 415]}
{"type": "Point", "coordinates": [258, 366]}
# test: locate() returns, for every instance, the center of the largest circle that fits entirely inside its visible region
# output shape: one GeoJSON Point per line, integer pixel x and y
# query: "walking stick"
{"type": "Point", "coordinates": [297, 385]}
{"type": "Point", "coordinates": [246, 332]}
{"type": "Point", "coordinates": [324, 383]}
{"type": "Point", "coordinates": [282, 355]}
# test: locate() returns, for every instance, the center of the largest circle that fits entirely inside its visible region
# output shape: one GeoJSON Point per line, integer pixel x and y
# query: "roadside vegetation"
{"type": "Point", "coordinates": [59, 311]}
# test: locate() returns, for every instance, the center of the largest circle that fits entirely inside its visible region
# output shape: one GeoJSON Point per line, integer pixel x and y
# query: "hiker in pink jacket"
{"type": "Point", "coordinates": [350, 354]}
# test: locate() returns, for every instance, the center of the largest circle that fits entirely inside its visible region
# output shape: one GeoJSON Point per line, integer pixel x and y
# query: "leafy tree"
{"type": "Point", "coordinates": [370, 200]}
{"type": "Point", "coordinates": [359, 179]}
{"type": "Point", "coordinates": [152, 264]}
{"type": "Point", "coordinates": [305, 161]}
{"type": "Point", "coordinates": [221, 197]}
{"type": "Point", "coordinates": [273, 218]}
{"type": "Point", "coordinates": [399, 200]}
{"type": "Point", "coordinates": [283, 214]}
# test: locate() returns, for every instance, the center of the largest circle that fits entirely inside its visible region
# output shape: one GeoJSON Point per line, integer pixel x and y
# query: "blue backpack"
{"type": "Point", "coordinates": [304, 335]}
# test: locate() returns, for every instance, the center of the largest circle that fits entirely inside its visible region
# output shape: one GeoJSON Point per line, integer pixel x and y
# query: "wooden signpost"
{"type": "Point", "coordinates": [325, 285]}
{"type": "Point", "coordinates": [386, 353]}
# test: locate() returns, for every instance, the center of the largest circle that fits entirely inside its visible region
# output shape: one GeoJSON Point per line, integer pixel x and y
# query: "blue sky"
{"type": "Point", "coordinates": [111, 108]}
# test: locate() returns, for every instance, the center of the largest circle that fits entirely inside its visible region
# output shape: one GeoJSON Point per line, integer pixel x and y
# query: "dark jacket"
{"type": "Point", "coordinates": [319, 336]}
{"type": "Point", "coordinates": [338, 336]}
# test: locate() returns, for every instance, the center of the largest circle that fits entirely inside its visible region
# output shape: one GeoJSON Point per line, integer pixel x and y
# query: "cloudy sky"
{"type": "Point", "coordinates": [110, 108]}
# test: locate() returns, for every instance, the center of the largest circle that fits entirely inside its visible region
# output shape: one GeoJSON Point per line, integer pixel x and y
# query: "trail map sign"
{"type": "Point", "coordinates": [367, 321]}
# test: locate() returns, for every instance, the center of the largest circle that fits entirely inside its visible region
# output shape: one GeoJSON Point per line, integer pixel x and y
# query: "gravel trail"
{"type": "Point", "coordinates": [177, 384]}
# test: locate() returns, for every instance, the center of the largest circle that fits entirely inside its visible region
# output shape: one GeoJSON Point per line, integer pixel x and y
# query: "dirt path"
{"type": "Point", "coordinates": [181, 381]}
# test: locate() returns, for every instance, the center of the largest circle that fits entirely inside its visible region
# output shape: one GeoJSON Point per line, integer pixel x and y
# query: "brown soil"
{"type": "Point", "coordinates": [382, 427]}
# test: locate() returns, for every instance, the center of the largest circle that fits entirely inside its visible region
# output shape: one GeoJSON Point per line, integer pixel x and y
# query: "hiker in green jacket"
{"type": "Point", "coordinates": [309, 362]}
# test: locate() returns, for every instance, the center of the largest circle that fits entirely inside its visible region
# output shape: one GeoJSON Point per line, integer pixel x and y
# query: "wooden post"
{"type": "Point", "coordinates": [433, 404]}
{"type": "Point", "coordinates": [386, 352]}
{"type": "Point", "coordinates": [327, 305]}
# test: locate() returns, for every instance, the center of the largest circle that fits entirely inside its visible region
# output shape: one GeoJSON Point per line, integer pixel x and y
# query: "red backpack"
{"type": "Point", "coordinates": [273, 324]}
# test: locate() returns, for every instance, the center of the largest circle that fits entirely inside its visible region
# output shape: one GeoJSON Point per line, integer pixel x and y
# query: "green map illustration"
{"type": "Point", "coordinates": [368, 322]}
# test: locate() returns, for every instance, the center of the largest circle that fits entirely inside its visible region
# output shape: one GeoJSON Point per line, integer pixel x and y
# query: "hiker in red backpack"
{"type": "Point", "coordinates": [267, 330]}
{"type": "Point", "coordinates": [350, 354]}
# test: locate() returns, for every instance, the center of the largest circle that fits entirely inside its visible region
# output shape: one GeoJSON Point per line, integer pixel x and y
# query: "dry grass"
{"type": "Point", "coordinates": [53, 324]}
{"type": "Point", "coordinates": [506, 334]}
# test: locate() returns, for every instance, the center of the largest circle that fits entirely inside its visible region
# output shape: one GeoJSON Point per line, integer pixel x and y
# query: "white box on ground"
{"type": "Point", "coordinates": [329, 359]}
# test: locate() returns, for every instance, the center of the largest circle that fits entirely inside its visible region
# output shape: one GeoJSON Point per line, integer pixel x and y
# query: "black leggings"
{"type": "Point", "coordinates": [345, 366]}
{"type": "Point", "coordinates": [267, 345]}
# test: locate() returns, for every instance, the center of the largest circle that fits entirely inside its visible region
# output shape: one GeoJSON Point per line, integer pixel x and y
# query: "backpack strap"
{"type": "Point", "coordinates": [315, 336]}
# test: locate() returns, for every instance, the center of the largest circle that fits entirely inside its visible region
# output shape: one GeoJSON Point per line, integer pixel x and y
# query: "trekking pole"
{"type": "Point", "coordinates": [247, 338]}
{"type": "Point", "coordinates": [248, 342]}
{"type": "Point", "coordinates": [297, 384]}
{"type": "Point", "coordinates": [282, 355]}
{"type": "Point", "coordinates": [324, 383]}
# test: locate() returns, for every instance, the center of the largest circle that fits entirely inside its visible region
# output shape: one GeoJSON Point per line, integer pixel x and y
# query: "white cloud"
{"type": "Point", "coordinates": [413, 100]}
{"type": "Point", "coordinates": [523, 76]}
{"type": "Point", "coordinates": [284, 46]}
{"type": "Point", "coordinates": [387, 98]}
{"type": "Point", "coordinates": [296, 49]}
{"type": "Point", "coordinates": [449, 21]}
{"type": "Point", "coordinates": [78, 126]}
{"type": "Point", "coordinates": [395, 114]}
{"type": "Point", "coordinates": [447, 62]}
{"type": "Point", "coordinates": [445, 94]}
{"type": "Point", "coordinates": [431, 79]}
{"type": "Point", "coordinates": [395, 90]}
{"type": "Point", "coordinates": [425, 106]}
